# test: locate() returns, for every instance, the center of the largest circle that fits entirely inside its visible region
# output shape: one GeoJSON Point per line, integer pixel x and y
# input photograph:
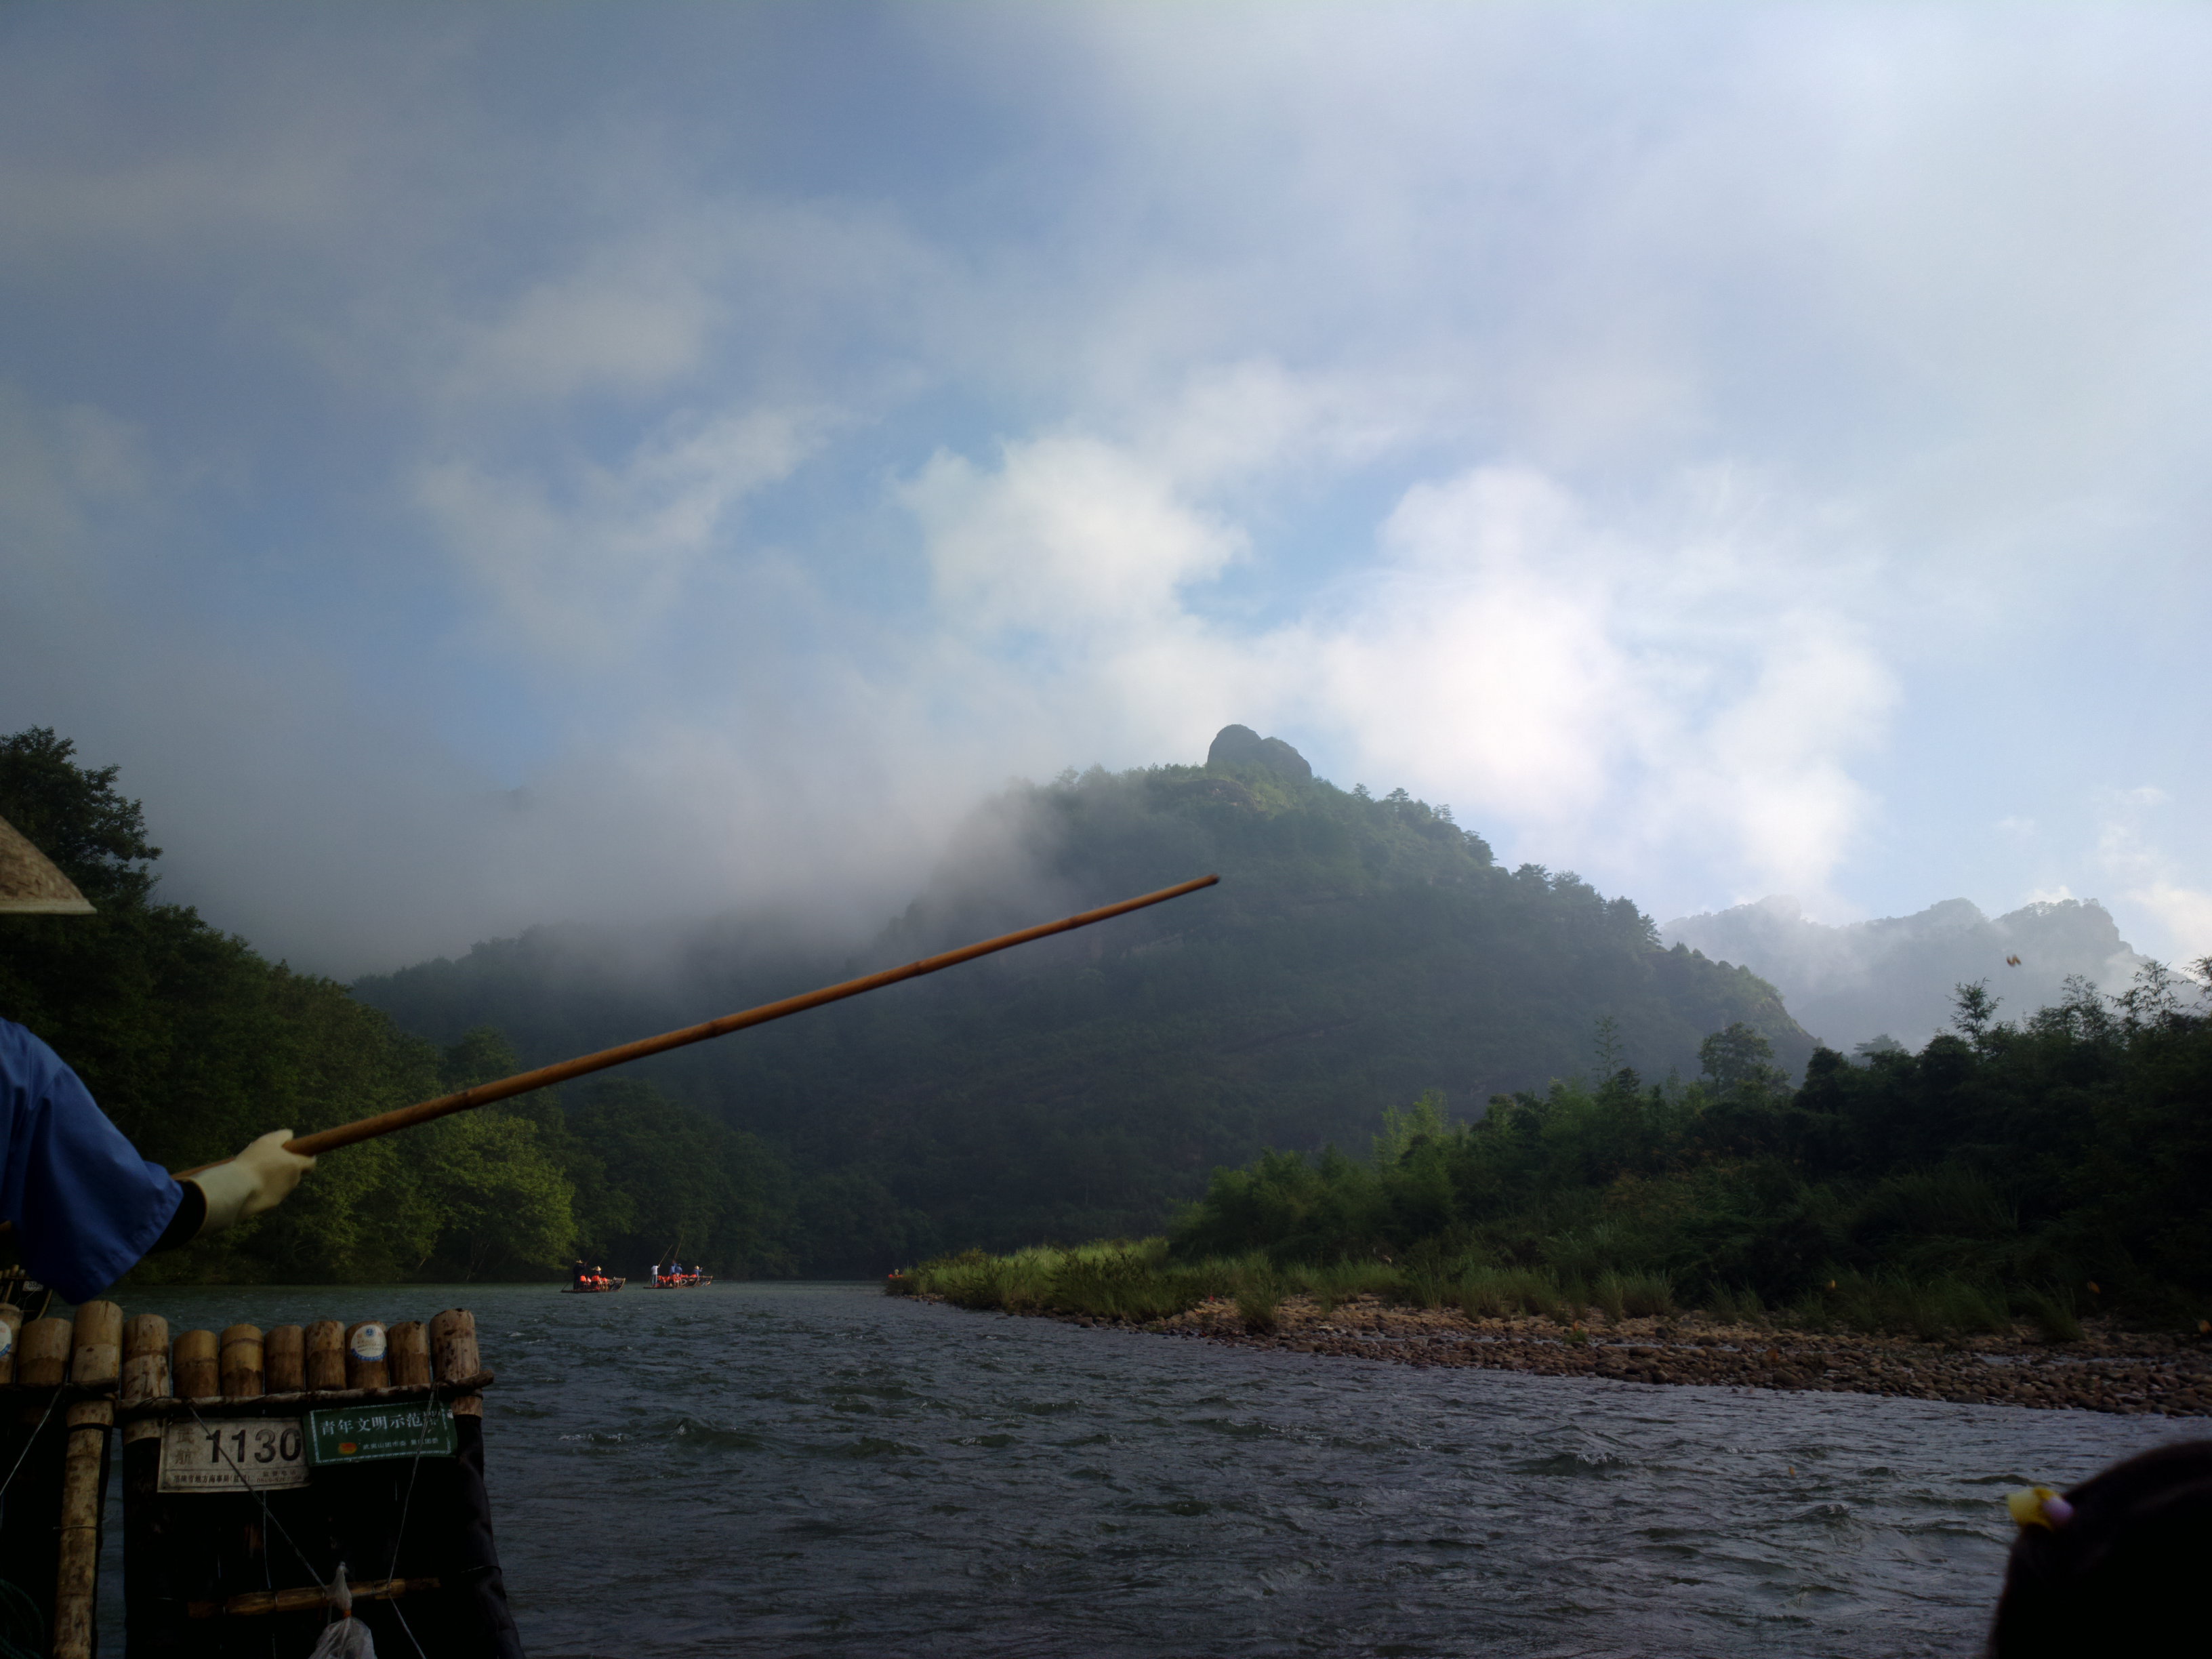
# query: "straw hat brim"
{"type": "Point", "coordinates": [29, 884]}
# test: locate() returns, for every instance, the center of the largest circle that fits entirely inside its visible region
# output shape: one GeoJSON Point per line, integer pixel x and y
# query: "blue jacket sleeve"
{"type": "Point", "coordinates": [85, 1206]}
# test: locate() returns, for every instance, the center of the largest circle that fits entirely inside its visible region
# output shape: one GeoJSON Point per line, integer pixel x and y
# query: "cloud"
{"type": "Point", "coordinates": [1507, 647]}
{"type": "Point", "coordinates": [1615, 692]}
{"type": "Point", "coordinates": [2155, 884]}
{"type": "Point", "coordinates": [1067, 536]}
{"type": "Point", "coordinates": [1719, 449]}
{"type": "Point", "coordinates": [63, 470]}
{"type": "Point", "coordinates": [588, 573]}
{"type": "Point", "coordinates": [632, 324]}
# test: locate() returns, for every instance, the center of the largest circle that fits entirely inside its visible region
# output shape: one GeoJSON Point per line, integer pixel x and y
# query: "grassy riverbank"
{"type": "Point", "coordinates": [1143, 1283]}
{"type": "Point", "coordinates": [1940, 1340]}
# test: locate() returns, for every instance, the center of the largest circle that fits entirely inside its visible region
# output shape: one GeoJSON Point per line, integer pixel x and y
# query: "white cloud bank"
{"type": "Point", "coordinates": [1616, 697]}
{"type": "Point", "coordinates": [588, 577]}
{"type": "Point", "coordinates": [2152, 877]}
{"type": "Point", "coordinates": [1722, 450]}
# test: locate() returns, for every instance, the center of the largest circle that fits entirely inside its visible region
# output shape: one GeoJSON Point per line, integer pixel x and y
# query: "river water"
{"type": "Point", "coordinates": [818, 1469]}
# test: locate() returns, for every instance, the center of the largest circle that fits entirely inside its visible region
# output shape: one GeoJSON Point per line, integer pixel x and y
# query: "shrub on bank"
{"type": "Point", "coordinates": [1116, 1280]}
{"type": "Point", "coordinates": [1344, 1281]}
{"type": "Point", "coordinates": [1141, 1283]}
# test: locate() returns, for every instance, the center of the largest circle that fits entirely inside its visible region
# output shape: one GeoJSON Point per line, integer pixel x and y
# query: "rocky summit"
{"type": "Point", "coordinates": [1240, 745]}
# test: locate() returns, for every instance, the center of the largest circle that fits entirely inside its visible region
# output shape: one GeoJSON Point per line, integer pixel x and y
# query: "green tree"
{"type": "Point", "coordinates": [1741, 1058]}
{"type": "Point", "coordinates": [687, 1184]}
{"type": "Point", "coordinates": [1974, 1010]}
{"type": "Point", "coordinates": [503, 1202]}
{"type": "Point", "coordinates": [76, 817]}
{"type": "Point", "coordinates": [1420, 1124]}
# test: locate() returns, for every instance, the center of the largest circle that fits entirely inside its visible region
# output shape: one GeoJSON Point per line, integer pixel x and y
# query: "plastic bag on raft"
{"type": "Point", "coordinates": [344, 1638]}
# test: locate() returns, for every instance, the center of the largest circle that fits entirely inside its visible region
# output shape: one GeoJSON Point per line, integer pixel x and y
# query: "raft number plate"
{"type": "Point", "coordinates": [361, 1434]}
{"type": "Point", "coordinates": [232, 1454]}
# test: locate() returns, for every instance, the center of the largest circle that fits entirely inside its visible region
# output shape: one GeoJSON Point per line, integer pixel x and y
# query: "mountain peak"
{"type": "Point", "coordinates": [1240, 745]}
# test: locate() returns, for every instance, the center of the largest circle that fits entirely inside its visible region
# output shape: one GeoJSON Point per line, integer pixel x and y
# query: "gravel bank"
{"type": "Point", "coordinates": [2108, 1371]}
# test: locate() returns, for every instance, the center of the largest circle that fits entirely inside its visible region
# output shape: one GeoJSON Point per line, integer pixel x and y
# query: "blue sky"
{"type": "Point", "coordinates": [488, 464]}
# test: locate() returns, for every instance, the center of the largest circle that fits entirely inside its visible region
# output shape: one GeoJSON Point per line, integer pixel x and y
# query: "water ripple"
{"type": "Point", "coordinates": [802, 1470]}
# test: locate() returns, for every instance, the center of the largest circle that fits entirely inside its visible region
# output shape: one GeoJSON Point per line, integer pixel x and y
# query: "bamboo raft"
{"type": "Point", "coordinates": [272, 1482]}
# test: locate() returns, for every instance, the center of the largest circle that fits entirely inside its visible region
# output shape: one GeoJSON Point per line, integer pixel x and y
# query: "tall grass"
{"type": "Point", "coordinates": [1898, 1305]}
{"type": "Point", "coordinates": [2052, 1312]}
{"type": "Point", "coordinates": [1586, 1254]}
{"type": "Point", "coordinates": [1140, 1283]}
{"type": "Point", "coordinates": [1633, 1295]}
{"type": "Point", "coordinates": [1259, 1296]}
{"type": "Point", "coordinates": [1117, 1280]}
{"type": "Point", "coordinates": [1505, 1292]}
{"type": "Point", "coordinates": [1345, 1281]}
{"type": "Point", "coordinates": [1736, 1304]}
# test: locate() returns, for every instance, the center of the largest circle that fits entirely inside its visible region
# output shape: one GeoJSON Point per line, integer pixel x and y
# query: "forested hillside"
{"type": "Point", "coordinates": [2047, 1169]}
{"type": "Point", "coordinates": [2052, 1166]}
{"type": "Point", "coordinates": [1358, 952]}
{"type": "Point", "coordinates": [194, 1044]}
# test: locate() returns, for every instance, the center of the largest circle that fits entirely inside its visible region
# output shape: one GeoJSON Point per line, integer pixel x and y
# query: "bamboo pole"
{"type": "Point", "coordinates": [365, 1345]}
{"type": "Point", "coordinates": [195, 1365]}
{"type": "Point", "coordinates": [239, 1369]}
{"type": "Point", "coordinates": [285, 1359]}
{"type": "Point", "coordinates": [266, 1405]}
{"type": "Point", "coordinates": [145, 1374]}
{"type": "Point", "coordinates": [410, 1357]}
{"type": "Point", "coordinates": [239, 1365]}
{"type": "Point", "coordinates": [98, 1359]}
{"type": "Point", "coordinates": [97, 1339]}
{"type": "Point", "coordinates": [252, 1603]}
{"type": "Point", "coordinates": [326, 1354]}
{"type": "Point", "coordinates": [145, 1527]}
{"type": "Point", "coordinates": [453, 1347]}
{"type": "Point", "coordinates": [545, 1077]}
{"type": "Point", "coordinates": [46, 1354]}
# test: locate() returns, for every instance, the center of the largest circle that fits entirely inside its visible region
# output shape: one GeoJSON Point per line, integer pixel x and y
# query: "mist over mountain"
{"type": "Point", "coordinates": [1895, 977]}
{"type": "Point", "coordinates": [1359, 952]}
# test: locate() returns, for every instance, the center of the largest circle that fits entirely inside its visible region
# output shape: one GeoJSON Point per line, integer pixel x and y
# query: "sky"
{"type": "Point", "coordinates": [490, 465]}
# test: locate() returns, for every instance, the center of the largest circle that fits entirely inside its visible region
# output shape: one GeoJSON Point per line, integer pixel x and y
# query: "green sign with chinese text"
{"type": "Point", "coordinates": [361, 1434]}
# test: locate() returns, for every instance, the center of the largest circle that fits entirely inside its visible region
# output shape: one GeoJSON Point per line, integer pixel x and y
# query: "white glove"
{"type": "Point", "coordinates": [259, 1178]}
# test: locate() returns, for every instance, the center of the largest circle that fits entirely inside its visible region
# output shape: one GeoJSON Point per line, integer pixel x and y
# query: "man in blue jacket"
{"type": "Point", "coordinates": [85, 1206]}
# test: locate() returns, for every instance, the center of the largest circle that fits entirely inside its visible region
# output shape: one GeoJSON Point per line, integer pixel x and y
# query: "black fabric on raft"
{"type": "Point", "coordinates": [146, 1608]}
{"type": "Point", "coordinates": [192, 1546]}
{"type": "Point", "coordinates": [30, 1535]}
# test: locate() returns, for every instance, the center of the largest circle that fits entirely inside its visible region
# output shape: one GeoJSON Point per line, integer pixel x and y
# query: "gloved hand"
{"type": "Point", "coordinates": [259, 1178]}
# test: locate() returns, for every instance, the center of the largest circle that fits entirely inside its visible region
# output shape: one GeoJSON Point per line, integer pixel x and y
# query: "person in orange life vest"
{"type": "Point", "coordinates": [85, 1206]}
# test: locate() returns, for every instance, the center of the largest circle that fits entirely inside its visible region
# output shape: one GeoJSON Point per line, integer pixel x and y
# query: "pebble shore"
{"type": "Point", "coordinates": [2108, 1371]}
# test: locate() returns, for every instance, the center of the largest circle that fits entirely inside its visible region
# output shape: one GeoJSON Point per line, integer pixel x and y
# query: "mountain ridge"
{"type": "Point", "coordinates": [1894, 976]}
{"type": "Point", "coordinates": [1359, 952]}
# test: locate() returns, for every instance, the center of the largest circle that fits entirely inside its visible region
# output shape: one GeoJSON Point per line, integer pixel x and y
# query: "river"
{"type": "Point", "coordinates": [818, 1469]}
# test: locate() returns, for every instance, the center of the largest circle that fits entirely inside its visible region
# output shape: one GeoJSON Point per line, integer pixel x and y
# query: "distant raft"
{"type": "Point", "coordinates": [675, 1280]}
{"type": "Point", "coordinates": [273, 1485]}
